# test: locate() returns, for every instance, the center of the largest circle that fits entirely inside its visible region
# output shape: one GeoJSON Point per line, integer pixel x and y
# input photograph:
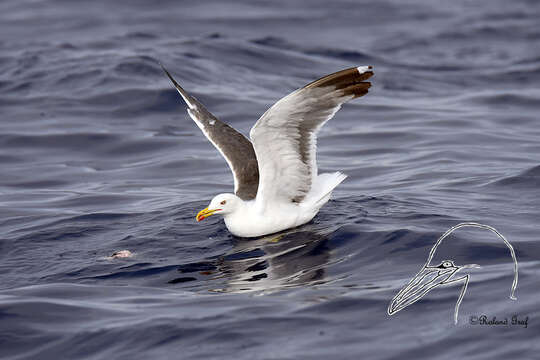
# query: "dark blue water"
{"type": "Point", "coordinates": [98, 155]}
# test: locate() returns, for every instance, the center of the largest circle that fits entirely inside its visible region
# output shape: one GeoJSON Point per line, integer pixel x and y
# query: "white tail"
{"type": "Point", "coordinates": [324, 185]}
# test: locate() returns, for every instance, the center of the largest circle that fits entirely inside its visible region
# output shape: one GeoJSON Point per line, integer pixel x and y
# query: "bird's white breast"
{"type": "Point", "coordinates": [251, 221]}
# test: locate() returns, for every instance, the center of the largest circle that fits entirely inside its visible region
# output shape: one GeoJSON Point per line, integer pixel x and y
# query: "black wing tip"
{"type": "Point", "coordinates": [190, 100]}
{"type": "Point", "coordinates": [169, 75]}
{"type": "Point", "coordinates": [344, 78]}
{"type": "Point", "coordinates": [357, 90]}
{"type": "Point", "coordinates": [365, 72]}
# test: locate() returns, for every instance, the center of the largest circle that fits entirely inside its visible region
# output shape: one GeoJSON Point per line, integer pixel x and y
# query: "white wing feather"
{"type": "Point", "coordinates": [285, 137]}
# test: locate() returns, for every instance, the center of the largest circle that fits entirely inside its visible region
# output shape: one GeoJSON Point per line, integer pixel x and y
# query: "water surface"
{"type": "Point", "coordinates": [99, 155]}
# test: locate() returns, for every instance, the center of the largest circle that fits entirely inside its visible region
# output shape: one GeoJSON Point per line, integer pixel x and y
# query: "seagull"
{"type": "Point", "coordinates": [276, 183]}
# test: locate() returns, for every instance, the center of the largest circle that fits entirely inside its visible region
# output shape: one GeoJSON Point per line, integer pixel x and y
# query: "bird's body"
{"type": "Point", "coordinates": [276, 182]}
{"type": "Point", "coordinates": [255, 218]}
{"type": "Point", "coordinates": [250, 221]}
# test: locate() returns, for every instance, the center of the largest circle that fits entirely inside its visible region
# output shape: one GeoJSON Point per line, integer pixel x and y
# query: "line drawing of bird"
{"type": "Point", "coordinates": [430, 277]}
{"type": "Point", "coordinates": [276, 183]}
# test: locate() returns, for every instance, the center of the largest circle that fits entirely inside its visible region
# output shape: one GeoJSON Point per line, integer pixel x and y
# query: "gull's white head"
{"type": "Point", "coordinates": [221, 204]}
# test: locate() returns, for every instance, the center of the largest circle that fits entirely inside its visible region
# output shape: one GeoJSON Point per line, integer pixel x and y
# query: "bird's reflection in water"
{"type": "Point", "coordinates": [273, 262]}
{"type": "Point", "coordinates": [292, 258]}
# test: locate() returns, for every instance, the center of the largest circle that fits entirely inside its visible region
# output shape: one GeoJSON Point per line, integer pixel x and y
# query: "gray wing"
{"type": "Point", "coordinates": [285, 137]}
{"type": "Point", "coordinates": [233, 146]}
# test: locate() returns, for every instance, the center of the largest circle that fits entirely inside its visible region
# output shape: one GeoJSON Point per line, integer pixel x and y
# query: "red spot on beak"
{"type": "Point", "coordinates": [204, 213]}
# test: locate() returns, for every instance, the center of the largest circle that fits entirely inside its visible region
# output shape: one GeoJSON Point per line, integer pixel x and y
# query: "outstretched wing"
{"type": "Point", "coordinates": [233, 146]}
{"type": "Point", "coordinates": [285, 137]}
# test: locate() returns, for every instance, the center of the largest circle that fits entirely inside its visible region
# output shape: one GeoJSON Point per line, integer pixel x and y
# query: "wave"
{"type": "Point", "coordinates": [527, 179]}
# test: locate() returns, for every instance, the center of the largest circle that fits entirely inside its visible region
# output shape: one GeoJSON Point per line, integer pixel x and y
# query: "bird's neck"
{"type": "Point", "coordinates": [243, 215]}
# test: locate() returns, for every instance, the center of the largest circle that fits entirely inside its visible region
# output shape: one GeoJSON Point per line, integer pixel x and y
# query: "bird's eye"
{"type": "Point", "coordinates": [447, 264]}
{"type": "Point", "coordinates": [223, 202]}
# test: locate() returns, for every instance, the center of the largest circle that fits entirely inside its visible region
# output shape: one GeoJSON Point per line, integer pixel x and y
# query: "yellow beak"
{"type": "Point", "coordinates": [204, 213]}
